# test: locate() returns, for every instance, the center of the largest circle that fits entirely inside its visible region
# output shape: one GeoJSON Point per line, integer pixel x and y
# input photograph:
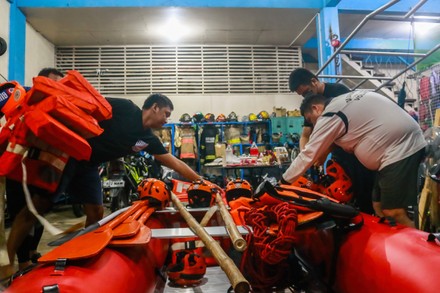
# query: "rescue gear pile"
{"type": "Point", "coordinates": [266, 260]}
{"type": "Point", "coordinates": [46, 125]}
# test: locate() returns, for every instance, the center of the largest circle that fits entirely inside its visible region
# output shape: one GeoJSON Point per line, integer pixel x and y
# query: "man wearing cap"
{"type": "Point", "coordinates": [304, 82]}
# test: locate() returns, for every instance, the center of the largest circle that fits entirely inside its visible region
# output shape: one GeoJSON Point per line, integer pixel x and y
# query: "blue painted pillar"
{"type": "Point", "coordinates": [326, 23]}
{"type": "Point", "coordinates": [17, 43]}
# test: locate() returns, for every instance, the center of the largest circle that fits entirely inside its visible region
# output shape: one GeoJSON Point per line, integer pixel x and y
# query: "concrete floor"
{"type": "Point", "coordinates": [62, 217]}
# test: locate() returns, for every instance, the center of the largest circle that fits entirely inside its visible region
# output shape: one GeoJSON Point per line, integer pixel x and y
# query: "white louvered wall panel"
{"type": "Point", "coordinates": [126, 70]}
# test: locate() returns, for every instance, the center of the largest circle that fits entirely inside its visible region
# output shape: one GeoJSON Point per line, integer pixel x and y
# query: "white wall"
{"type": "Point", "coordinates": [4, 33]}
{"type": "Point", "coordinates": [40, 53]}
{"type": "Point", "coordinates": [217, 104]}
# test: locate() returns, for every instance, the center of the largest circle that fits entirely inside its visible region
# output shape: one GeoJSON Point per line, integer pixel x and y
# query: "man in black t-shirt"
{"type": "Point", "coordinates": [127, 132]}
{"type": "Point", "coordinates": [304, 82]}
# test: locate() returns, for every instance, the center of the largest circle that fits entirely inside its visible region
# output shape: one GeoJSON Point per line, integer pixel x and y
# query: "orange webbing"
{"type": "Point", "coordinates": [273, 247]}
{"type": "Point", "coordinates": [266, 259]}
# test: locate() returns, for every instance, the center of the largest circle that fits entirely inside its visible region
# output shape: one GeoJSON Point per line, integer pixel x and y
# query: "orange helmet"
{"type": "Point", "coordinates": [335, 170]}
{"type": "Point", "coordinates": [305, 182]}
{"type": "Point", "coordinates": [189, 269]}
{"type": "Point", "coordinates": [155, 191]}
{"type": "Point", "coordinates": [200, 194]}
{"type": "Point", "coordinates": [237, 188]}
{"type": "Point", "coordinates": [340, 190]}
{"type": "Point", "coordinates": [12, 96]}
{"type": "Point", "coordinates": [336, 182]}
{"type": "Point", "coordinates": [221, 118]}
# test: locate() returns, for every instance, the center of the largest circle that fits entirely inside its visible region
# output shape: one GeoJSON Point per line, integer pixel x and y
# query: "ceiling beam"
{"type": "Point", "coordinates": [300, 4]}
{"type": "Point", "coordinates": [400, 8]}
{"type": "Point", "coordinates": [371, 44]}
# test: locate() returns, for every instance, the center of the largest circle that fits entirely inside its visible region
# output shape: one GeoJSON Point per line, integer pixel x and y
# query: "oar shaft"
{"type": "Point", "coordinates": [236, 238]}
{"type": "Point", "coordinates": [238, 282]}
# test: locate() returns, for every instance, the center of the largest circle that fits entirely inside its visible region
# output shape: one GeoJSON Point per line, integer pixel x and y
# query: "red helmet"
{"type": "Point", "coordinates": [200, 194]}
{"type": "Point", "coordinates": [237, 188]}
{"type": "Point", "coordinates": [189, 269]}
{"type": "Point", "coordinates": [155, 191]}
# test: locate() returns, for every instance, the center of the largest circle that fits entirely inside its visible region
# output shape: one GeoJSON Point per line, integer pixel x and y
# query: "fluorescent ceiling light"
{"type": "Point", "coordinates": [173, 28]}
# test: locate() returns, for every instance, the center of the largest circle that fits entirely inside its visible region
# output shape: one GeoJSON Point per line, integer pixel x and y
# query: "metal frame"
{"type": "Point", "coordinates": [407, 17]}
{"type": "Point", "coordinates": [360, 25]}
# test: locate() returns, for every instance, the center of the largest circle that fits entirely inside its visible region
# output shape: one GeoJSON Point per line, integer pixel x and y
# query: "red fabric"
{"type": "Point", "coordinates": [425, 88]}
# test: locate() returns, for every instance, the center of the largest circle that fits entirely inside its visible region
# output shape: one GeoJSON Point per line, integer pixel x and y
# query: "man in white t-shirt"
{"type": "Point", "coordinates": [381, 135]}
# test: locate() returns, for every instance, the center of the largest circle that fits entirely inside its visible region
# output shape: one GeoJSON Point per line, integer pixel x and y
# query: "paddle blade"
{"type": "Point", "coordinates": [141, 238]}
{"type": "Point", "coordinates": [126, 229]}
{"type": "Point", "coordinates": [84, 246]}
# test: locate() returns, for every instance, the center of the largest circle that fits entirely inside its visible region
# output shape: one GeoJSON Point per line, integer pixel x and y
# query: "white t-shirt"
{"type": "Point", "coordinates": [367, 124]}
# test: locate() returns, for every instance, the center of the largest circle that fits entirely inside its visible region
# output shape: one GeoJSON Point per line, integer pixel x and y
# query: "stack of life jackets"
{"type": "Point", "coordinates": [48, 124]}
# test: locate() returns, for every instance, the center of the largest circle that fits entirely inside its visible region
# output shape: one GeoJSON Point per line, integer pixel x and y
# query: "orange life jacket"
{"type": "Point", "coordinates": [49, 123]}
{"type": "Point", "coordinates": [44, 164]}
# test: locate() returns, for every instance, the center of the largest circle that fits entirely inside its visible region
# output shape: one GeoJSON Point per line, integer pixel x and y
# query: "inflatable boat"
{"type": "Point", "coordinates": [342, 255]}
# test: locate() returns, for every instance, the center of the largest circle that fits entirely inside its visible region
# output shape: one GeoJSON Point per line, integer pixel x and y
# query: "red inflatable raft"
{"type": "Point", "coordinates": [375, 258]}
{"type": "Point", "coordinates": [129, 269]}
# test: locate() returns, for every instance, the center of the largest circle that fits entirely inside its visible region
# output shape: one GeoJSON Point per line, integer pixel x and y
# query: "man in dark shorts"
{"type": "Point", "coordinates": [304, 82]}
{"type": "Point", "coordinates": [378, 132]}
{"type": "Point", "coordinates": [127, 132]}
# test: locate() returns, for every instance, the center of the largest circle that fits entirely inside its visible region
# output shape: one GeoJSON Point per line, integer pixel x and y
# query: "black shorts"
{"type": "Point", "coordinates": [15, 196]}
{"type": "Point", "coordinates": [396, 185]}
{"type": "Point", "coordinates": [82, 182]}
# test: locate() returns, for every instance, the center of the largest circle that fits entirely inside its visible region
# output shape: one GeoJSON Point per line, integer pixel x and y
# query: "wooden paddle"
{"type": "Point", "coordinates": [90, 244]}
{"type": "Point", "coordinates": [238, 282]}
{"type": "Point", "coordinates": [237, 240]}
{"type": "Point", "coordinates": [142, 237]}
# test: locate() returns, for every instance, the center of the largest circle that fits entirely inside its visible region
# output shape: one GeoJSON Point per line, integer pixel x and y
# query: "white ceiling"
{"type": "Point", "coordinates": [225, 26]}
{"type": "Point", "coordinates": [123, 26]}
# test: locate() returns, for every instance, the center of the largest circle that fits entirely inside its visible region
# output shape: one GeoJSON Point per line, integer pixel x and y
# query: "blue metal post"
{"type": "Point", "coordinates": [327, 22]}
{"type": "Point", "coordinates": [17, 44]}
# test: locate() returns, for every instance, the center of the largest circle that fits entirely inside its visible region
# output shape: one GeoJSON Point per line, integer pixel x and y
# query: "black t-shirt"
{"type": "Point", "coordinates": [123, 134]}
{"type": "Point", "coordinates": [331, 90]}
